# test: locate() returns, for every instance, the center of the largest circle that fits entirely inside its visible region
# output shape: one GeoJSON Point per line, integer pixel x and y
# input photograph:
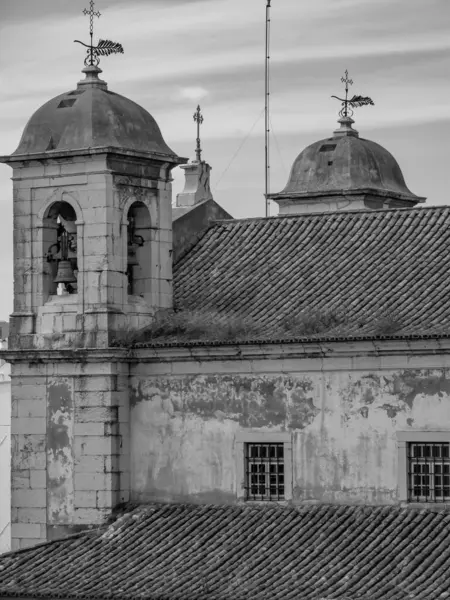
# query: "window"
{"type": "Point", "coordinates": [67, 103]}
{"type": "Point", "coordinates": [264, 471]}
{"type": "Point", "coordinates": [428, 472]}
{"type": "Point", "coordinates": [424, 466]}
{"type": "Point", "coordinates": [139, 264]}
{"type": "Point", "coordinates": [327, 148]}
{"type": "Point", "coordinates": [264, 466]}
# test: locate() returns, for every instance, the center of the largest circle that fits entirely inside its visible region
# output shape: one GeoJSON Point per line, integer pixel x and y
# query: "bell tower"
{"type": "Point", "coordinates": [92, 262]}
{"type": "Point", "coordinates": [92, 225]}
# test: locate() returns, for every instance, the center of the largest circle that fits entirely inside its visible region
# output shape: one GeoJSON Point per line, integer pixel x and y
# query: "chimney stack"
{"type": "Point", "coordinates": [196, 187]}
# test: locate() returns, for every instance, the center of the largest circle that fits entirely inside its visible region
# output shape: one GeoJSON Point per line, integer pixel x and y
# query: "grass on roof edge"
{"type": "Point", "coordinates": [187, 325]}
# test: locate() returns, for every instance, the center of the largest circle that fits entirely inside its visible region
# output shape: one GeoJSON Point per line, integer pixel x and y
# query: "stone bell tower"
{"type": "Point", "coordinates": [92, 262]}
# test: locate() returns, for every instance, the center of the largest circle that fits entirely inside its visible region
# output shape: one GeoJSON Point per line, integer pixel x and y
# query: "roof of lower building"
{"type": "Point", "coordinates": [338, 275]}
{"type": "Point", "coordinates": [243, 552]}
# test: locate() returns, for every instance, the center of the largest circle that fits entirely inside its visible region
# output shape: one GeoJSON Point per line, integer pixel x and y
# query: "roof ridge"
{"type": "Point", "coordinates": [364, 211]}
{"type": "Point", "coordinates": [247, 506]}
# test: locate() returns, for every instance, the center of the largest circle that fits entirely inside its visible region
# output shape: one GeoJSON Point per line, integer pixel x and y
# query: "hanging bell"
{"type": "Point", "coordinates": [65, 273]}
{"type": "Point", "coordinates": [132, 260]}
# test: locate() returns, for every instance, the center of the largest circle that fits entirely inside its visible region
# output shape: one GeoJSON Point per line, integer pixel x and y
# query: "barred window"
{"type": "Point", "coordinates": [264, 471]}
{"type": "Point", "coordinates": [428, 472]}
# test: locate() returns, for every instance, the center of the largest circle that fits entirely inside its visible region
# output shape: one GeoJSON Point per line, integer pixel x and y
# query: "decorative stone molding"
{"type": "Point", "coordinates": [132, 189]}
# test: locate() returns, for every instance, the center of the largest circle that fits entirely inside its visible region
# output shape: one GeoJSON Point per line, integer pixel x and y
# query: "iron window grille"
{"type": "Point", "coordinates": [428, 472]}
{"type": "Point", "coordinates": [264, 471]}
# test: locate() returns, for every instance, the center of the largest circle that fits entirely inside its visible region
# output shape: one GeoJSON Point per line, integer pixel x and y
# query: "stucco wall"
{"type": "Point", "coordinates": [5, 458]}
{"type": "Point", "coordinates": [343, 421]}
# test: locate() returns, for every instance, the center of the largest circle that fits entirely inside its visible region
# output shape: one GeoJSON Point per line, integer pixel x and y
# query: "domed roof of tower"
{"type": "Point", "coordinates": [92, 116]}
{"type": "Point", "coordinates": [346, 163]}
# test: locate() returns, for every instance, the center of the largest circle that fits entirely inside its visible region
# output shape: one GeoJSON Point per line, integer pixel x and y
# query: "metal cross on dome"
{"type": "Point", "coordinates": [104, 47]}
{"type": "Point", "coordinates": [354, 102]}
{"type": "Point", "coordinates": [198, 118]}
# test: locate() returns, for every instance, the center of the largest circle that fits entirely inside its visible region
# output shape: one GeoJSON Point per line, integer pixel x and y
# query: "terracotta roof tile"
{"type": "Point", "coordinates": [364, 262]}
{"type": "Point", "coordinates": [243, 552]}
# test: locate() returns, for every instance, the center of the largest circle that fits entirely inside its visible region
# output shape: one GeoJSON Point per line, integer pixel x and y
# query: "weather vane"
{"type": "Point", "coordinates": [198, 118]}
{"type": "Point", "coordinates": [103, 48]}
{"type": "Point", "coordinates": [349, 105]}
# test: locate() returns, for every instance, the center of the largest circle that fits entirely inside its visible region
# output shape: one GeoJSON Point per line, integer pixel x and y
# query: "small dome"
{"type": "Point", "coordinates": [346, 162]}
{"type": "Point", "coordinates": [91, 116]}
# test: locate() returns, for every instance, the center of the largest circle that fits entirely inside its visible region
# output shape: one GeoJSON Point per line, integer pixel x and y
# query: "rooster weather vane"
{"type": "Point", "coordinates": [103, 48]}
{"type": "Point", "coordinates": [349, 104]}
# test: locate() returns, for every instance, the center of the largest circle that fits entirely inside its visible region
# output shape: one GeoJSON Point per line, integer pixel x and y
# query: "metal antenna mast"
{"type": "Point", "coordinates": [267, 113]}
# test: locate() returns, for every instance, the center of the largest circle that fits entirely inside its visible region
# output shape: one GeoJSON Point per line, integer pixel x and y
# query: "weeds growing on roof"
{"type": "Point", "coordinates": [125, 336]}
{"type": "Point", "coordinates": [199, 325]}
{"type": "Point", "coordinates": [388, 321]}
{"type": "Point", "coordinates": [185, 325]}
{"type": "Point", "coordinates": [313, 321]}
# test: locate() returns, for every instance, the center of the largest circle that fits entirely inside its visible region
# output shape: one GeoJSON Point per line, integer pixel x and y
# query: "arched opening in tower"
{"type": "Point", "coordinates": [60, 250]}
{"type": "Point", "coordinates": [139, 270]}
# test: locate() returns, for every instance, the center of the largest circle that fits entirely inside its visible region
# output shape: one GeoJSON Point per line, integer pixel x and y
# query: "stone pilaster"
{"type": "Point", "coordinates": [70, 445]}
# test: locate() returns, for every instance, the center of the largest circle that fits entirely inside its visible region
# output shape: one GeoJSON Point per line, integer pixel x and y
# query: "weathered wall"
{"type": "Point", "coordinates": [100, 189]}
{"type": "Point", "coordinates": [5, 457]}
{"type": "Point", "coordinates": [343, 421]}
{"type": "Point", "coordinates": [70, 439]}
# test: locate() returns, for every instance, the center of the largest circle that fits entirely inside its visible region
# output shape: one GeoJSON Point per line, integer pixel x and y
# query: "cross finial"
{"type": "Point", "coordinates": [91, 14]}
{"type": "Point", "coordinates": [104, 47]}
{"type": "Point", "coordinates": [348, 105]}
{"type": "Point", "coordinates": [347, 82]}
{"type": "Point", "coordinates": [198, 118]}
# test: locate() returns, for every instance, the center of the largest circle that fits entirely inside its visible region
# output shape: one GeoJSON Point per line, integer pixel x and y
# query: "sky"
{"type": "Point", "coordinates": [179, 53]}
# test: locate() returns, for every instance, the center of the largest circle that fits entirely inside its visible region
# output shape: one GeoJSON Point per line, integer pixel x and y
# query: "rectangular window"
{"type": "Point", "coordinates": [327, 148]}
{"type": "Point", "coordinates": [66, 103]}
{"type": "Point", "coordinates": [428, 471]}
{"type": "Point", "coordinates": [264, 471]}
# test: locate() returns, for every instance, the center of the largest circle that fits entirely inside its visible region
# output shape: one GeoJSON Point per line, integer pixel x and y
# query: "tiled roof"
{"type": "Point", "coordinates": [186, 552]}
{"type": "Point", "coordinates": [367, 264]}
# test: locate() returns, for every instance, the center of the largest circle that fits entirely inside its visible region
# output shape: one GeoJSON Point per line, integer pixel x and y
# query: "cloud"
{"type": "Point", "coordinates": [193, 93]}
{"type": "Point", "coordinates": [24, 10]}
{"type": "Point", "coordinates": [180, 52]}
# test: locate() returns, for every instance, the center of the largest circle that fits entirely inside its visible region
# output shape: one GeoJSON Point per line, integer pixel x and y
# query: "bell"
{"type": "Point", "coordinates": [132, 260]}
{"type": "Point", "coordinates": [65, 273]}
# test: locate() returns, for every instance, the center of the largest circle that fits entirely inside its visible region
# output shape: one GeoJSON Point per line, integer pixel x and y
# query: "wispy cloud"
{"type": "Point", "coordinates": [182, 52]}
{"type": "Point", "coordinates": [192, 93]}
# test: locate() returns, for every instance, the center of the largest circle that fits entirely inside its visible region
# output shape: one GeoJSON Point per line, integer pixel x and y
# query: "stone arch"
{"type": "Point", "coordinates": [60, 196]}
{"type": "Point", "coordinates": [139, 237]}
{"type": "Point", "coordinates": [144, 199]}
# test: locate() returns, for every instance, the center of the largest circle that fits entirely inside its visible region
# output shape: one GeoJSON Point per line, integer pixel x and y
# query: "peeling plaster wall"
{"type": "Point", "coordinates": [343, 423]}
{"type": "Point", "coordinates": [60, 451]}
{"type": "Point", "coordinates": [5, 458]}
{"type": "Point", "coordinates": [70, 447]}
